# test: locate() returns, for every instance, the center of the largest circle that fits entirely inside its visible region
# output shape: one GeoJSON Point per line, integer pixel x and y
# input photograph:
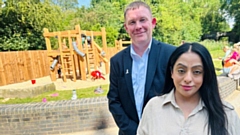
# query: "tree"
{"type": "Point", "coordinates": [214, 19]}
{"type": "Point", "coordinates": [103, 14]}
{"type": "Point", "coordinates": [23, 21]}
{"type": "Point", "coordinates": [231, 7]}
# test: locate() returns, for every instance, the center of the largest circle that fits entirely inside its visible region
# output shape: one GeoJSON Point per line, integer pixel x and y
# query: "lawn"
{"type": "Point", "coordinates": [62, 95]}
{"type": "Point", "coordinates": [215, 49]}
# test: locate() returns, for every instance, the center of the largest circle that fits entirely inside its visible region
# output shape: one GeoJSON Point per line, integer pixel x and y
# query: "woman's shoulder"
{"type": "Point", "coordinates": [233, 119]}
{"type": "Point", "coordinates": [229, 110]}
{"type": "Point", "coordinates": [227, 106]}
{"type": "Point", "coordinates": [157, 100]}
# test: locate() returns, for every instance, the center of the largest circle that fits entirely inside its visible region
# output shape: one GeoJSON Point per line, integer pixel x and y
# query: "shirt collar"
{"type": "Point", "coordinates": [170, 98]}
{"type": "Point", "coordinates": [132, 52]}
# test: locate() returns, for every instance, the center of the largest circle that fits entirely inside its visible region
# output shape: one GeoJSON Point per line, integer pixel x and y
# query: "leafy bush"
{"type": "Point", "coordinates": [14, 43]}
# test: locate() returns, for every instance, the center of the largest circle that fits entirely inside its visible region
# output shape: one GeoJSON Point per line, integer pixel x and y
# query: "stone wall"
{"type": "Point", "coordinates": [67, 116]}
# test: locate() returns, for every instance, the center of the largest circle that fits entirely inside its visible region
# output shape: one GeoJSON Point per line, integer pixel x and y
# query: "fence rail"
{"type": "Point", "coordinates": [20, 66]}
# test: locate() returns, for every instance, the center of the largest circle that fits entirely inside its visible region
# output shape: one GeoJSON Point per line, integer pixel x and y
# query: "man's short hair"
{"type": "Point", "coordinates": [135, 5]}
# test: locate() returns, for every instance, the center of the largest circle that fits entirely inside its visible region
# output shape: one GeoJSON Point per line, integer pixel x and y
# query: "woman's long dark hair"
{"type": "Point", "coordinates": [209, 91]}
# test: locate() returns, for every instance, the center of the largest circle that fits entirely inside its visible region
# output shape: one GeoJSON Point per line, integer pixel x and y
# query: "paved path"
{"type": "Point", "coordinates": [234, 99]}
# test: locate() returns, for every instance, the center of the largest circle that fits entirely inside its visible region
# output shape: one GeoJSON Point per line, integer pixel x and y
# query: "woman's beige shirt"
{"type": "Point", "coordinates": [162, 116]}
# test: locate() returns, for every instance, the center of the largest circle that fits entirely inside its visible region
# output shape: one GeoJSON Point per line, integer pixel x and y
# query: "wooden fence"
{"type": "Point", "coordinates": [20, 66]}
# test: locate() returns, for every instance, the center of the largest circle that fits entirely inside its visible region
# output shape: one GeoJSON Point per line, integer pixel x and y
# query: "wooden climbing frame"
{"type": "Point", "coordinates": [73, 64]}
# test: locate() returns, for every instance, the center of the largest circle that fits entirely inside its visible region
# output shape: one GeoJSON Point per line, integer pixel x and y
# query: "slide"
{"type": "Point", "coordinates": [76, 49]}
{"type": "Point", "coordinates": [54, 63]}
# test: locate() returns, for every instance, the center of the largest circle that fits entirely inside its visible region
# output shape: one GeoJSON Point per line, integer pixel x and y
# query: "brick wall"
{"type": "Point", "coordinates": [226, 86]}
{"type": "Point", "coordinates": [55, 117]}
{"type": "Point", "coordinates": [67, 116]}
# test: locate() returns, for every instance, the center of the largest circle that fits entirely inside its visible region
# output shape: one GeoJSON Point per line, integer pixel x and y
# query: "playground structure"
{"type": "Point", "coordinates": [76, 57]}
{"type": "Point", "coordinates": [119, 44]}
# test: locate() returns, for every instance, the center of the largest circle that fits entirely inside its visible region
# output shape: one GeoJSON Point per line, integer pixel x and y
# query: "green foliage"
{"type": "Point", "coordinates": [112, 34]}
{"type": "Point", "coordinates": [214, 19]}
{"type": "Point", "coordinates": [104, 14]}
{"type": "Point", "coordinates": [233, 10]}
{"type": "Point", "coordinates": [26, 19]}
{"type": "Point", "coordinates": [180, 22]}
{"type": "Point", "coordinates": [177, 20]}
{"type": "Point", "coordinates": [15, 43]}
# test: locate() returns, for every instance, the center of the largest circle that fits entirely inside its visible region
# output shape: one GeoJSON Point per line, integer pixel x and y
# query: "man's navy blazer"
{"type": "Point", "coordinates": [121, 96]}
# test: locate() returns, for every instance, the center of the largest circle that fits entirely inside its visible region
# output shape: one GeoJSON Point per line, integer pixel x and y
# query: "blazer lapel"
{"type": "Point", "coordinates": [128, 73]}
{"type": "Point", "coordinates": [152, 65]}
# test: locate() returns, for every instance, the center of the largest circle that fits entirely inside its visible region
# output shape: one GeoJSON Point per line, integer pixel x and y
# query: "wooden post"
{"type": "Point", "coordinates": [62, 57]}
{"type": "Point", "coordinates": [71, 57]}
{"type": "Point", "coordinates": [49, 49]}
{"type": "Point", "coordinates": [47, 40]}
{"type": "Point", "coordinates": [82, 64]}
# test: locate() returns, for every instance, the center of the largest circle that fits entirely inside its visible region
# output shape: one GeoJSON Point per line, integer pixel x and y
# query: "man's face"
{"type": "Point", "coordinates": [139, 25]}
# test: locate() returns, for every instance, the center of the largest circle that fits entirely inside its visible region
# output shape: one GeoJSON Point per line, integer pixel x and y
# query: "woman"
{"type": "Point", "coordinates": [231, 65]}
{"type": "Point", "coordinates": [190, 103]}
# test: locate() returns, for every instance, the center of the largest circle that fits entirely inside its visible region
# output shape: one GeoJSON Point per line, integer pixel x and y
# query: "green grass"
{"type": "Point", "coordinates": [212, 45]}
{"type": "Point", "coordinates": [216, 54]}
{"type": "Point", "coordinates": [62, 95]}
{"type": "Point", "coordinates": [215, 49]}
{"type": "Point", "coordinates": [218, 66]}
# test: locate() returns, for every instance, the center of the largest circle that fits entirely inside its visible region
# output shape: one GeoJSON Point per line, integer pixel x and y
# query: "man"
{"type": "Point", "coordinates": [137, 72]}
